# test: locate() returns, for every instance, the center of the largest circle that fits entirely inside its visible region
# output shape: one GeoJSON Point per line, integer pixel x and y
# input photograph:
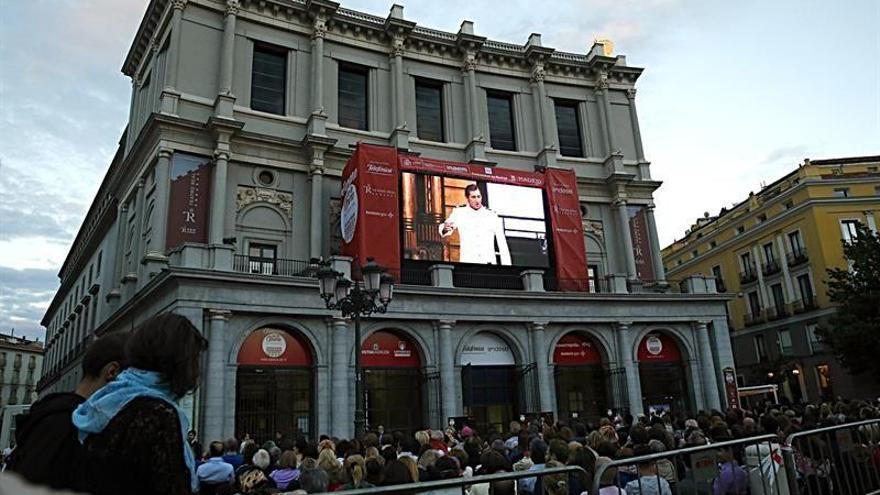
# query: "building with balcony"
{"type": "Point", "coordinates": [21, 367]}
{"type": "Point", "coordinates": [771, 252]}
{"type": "Point", "coordinates": [226, 184]}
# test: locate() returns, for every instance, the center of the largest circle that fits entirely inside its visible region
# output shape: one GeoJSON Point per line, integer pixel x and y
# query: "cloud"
{"type": "Point", "coordinates": [790, 155]}
{"type": "Point", "coordinates": [44, 214]}
{"type": "Point", "coordinates": [24, 297]}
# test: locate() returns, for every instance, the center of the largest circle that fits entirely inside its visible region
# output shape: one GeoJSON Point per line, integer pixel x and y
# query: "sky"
{"type": "Point", "coordinates": [734, 94]}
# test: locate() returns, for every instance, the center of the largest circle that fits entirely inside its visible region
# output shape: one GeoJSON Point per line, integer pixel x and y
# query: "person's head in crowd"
{"type": "Point", "coordinates": [538, 451]}
{"type": "Point", "coordinates": [215, 449]}
{"type": "Point", "coordinates": [646, 468]}
{"type": "Point", "coordinates": [396, 473]}
{"type": "Point", "coordinates": [250, 448]}
{"type": "Point", "coordinates": [102, 362]}
{"type": "Point", "coordinates": [770, 425]}
{"type": "Point", "coordinates": [460, 455]}
{"type": "Point", "coordinates": [313, 480]}
{"type": "Point", "coordinates": [355, 470]}
{"type": "Point", "coordinates": [411, 465]}
{"type": "Point", "coordinates": [557, 451]}
{"type": "Point", "coordinates": [422, 437]}
{"type": "Point", "coordinates": [427, 459]}
{"type": "Point", "coordinates": [606, 449]}
{"type": "Point", "coordinates": [695, 438]}
{"type": "Point", "coordinates": [170, 345]}
{"type": "Point", "coordinates": [557, 483]}
{"type": "Point", "coordinates": [409, 445]}
{"type": "Point", "coordinates": [638, 435]}
{"type": "Point", "coordinates": [371, 440]}
{"type": "Point", "coordinates": [275, 454]}
{"type": "Point", "coordinates": [609, 476]}
{"type": "Point", "coordinates": [231, 446]}
{"type": "Point", "coordinates": [327, 461]}
{"type": "Point", "coordinates": [514, 428]}
{"type": "Point", "coordinates": [326, 444]}
{"type": "Point", "coordinates": [447, 467]}
{"type": "Point", "coordinates": [252, 481]}
{"type": "Point", "coordinates": [262, 459]}
{"type": "Point", "coordinates": [474, 447]}
{"type": "Point", "coordinates": [287, 460]}
{"type": "Point", "coordinates": [566, 433]}
{"type": "Point", "coordinates": [656, 446]}
{"type": "Point", "coordinates": [493, 461]}
{"type": "Point", "coordinates": [374, 466]}
{"type": "Point", "coordinates": [389, 453]}
{"type": "Point", "coordinates": [499, 445]}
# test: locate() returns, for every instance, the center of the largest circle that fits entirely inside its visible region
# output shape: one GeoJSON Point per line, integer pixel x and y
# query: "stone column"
{"type": "Point", "coordinates": [215, 399]}
{"type": "Point", "coordinates": [318, 119]}
{"type": "Point", "coordinates": [156, 258]}
{"type": "Point", "coordinates": [787, 286]}
{"type": "Point", "coordinates": [339, 378]}
{"type": "Point", "coordinates": [218, 198]}
{"type": "Point", "coordinates": [539, 352]}
{"type": "Point", "coordinates": [626, 238]}
{"type": "Point", "coordinates": [138, 243]}
{"type": "Point", "coordinates": [170, 95]}
{"type": "Point", "coordinates": [119, 255]}
{"type": "Point", "coordinates": [656, 258]}
{"type": "Point", "coordinates": [476, 149]}
{"type": "Point", "coordinates": [400, 136]}
{"type": "Point", "coordinates": [625, 348]}
{"type": "Point", "coordinates": [707, 367]}
{"type": "Point", "coordinates": [447, 369]}
{"type": "Point", "coordinates": [316, 213]}
{"type": "Point", "coordinates": [634, 118]}
{"type": "Point", "coordinates": [605, 115]}
{"type": "Point", "coordinates": [763, 294]}
{"type": "Point", "coordinates": [223, 105]}
{"type": "Point", "coordinates": [547, 156]}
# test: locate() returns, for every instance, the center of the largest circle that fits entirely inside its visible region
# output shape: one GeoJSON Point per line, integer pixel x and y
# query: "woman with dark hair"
{"type": "Point", "coordinates": [133, 430]}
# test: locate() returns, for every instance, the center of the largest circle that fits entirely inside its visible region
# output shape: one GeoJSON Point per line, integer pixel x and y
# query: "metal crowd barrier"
{"type": "Point", "coordinates": [842, 459]}
{"type": "Point", "coordinates": [461, 486]}
{"type": "Point", "coordinates": [747, 465]}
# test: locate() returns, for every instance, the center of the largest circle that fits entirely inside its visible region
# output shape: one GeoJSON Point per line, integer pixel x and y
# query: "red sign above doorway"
{"type": "Point", "coordinates": [658, 348]}
{"type": "Point", "coordinates": [273, 347]}
{"type": "Point", "coordinates": [576, 349]}
{"type": "Point", "coordinates": [384, 349]}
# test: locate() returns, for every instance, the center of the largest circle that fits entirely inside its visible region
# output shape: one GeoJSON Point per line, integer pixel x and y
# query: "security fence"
{"type": "Point", "coordinates": [842, 459]}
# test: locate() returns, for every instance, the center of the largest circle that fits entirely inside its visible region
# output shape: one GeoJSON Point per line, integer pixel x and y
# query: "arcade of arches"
{"type": "Point", "coordinates": [276, 381]}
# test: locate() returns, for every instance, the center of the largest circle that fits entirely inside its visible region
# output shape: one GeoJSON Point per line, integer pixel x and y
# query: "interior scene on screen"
{"type": "Point", "coordinates": [463, 221]}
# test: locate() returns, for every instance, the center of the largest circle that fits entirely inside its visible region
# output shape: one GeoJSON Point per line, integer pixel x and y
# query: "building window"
{"type": "Point", "coordinates": [268, 78]}
{"type": "Point", "coordinates": [778, 300]}
{"type": "Point", "coordinates": [262, 258]}
{"type": "Point", "coordinates": [740, 229]}
{"type": "Point", "coordinates": [695, 253]}
{"type": "Point", "coordinates": [760, 350]}
{"type": "Point", "coordinates": [501, 132]}
{"type": "Point", "coordinates": [876, 190]}
{"type": "Point", "coordinates": [568, 128]}
{"type": "Point", "coordinates": [353, 97]}
{"type": "Point", "coordinates": [768, 252]}
{"type": "Point", "coordinates": [712, 244]}
{"type": "Point", "coordinates": [806, 290]}
{"type": "Point", "coordinates": [849, 229]}
{"type": "Point", "coordinates": [813, 338]}
{"type": "Point", "coordinates": [678, 261]}
{"type": "Point", "coordinates": [823, 379]}
{"type": "Point", "coordinates": [788, 205]}
{"type": "Point", "coordinates": [785, 347]}
{"type": "Point", "coordinates": [795, 242]}
{"type": "Point", "coordinates": [841, 192]}
{"type": "Point", "coordinates": [593, 278]}
{"type": "Point", "coordinates": [754, 303]}
{"type": "Point", "coordinates": [98, 264]}
{"type": "Point", "coordinates": [719, 280]}
{"type": "Point", "coordinates": [746, 259]}
{"type": "Point", "coordinates": [762, 218]}
{"type": "Point", "coordinates": [429, 110]}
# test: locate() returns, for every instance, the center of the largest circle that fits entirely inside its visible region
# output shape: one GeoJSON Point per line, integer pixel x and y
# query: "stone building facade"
{"type": "Point", "coordinates": [270, 97]}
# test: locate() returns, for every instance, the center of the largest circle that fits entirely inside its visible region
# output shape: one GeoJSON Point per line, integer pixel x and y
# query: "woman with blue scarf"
{"type": "Point", "coordinates": [133, 431]}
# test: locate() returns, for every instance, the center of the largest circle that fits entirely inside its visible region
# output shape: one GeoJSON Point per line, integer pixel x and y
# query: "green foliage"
{"type": "Point", "coordinates": [853, 331]}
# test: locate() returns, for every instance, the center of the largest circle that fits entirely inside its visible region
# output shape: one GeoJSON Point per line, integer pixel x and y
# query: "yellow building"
{"type": "Point", "coordinates": [771, 251]}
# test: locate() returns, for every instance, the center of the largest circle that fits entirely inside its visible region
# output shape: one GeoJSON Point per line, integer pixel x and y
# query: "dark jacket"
{"type": "Point", "coordinates": [47, 450]}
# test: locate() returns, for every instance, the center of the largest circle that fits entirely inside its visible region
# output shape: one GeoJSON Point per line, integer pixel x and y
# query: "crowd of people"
{"type": "Point", "coordinates": [121, 431]}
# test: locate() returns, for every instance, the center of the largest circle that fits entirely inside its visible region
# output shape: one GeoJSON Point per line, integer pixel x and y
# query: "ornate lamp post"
{"type": "Point", "coordinates": [356, 300]}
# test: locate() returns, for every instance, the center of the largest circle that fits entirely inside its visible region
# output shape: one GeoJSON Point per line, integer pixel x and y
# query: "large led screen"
{"type": "Point", "coordinates": [465, 221]}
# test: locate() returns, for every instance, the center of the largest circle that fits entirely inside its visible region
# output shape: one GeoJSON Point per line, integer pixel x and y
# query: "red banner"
{"type": "Point", "coordinates": [658, 348]}
{"type": "Point", "coordinates": [432, 166]}
{"type": "Point", "coordinates": [370, 207]}
{"type": "Point", "coordinates": [576, 349]}
{"type": "Point", "coordinates": [273, 347]}
{"type": "Point", "coordinates": [568, 229]}
{"type": "Point", "coordinates": [189, 200]}
{"type": "Point", "coordinates": [384, 349]}
{"type": "Point", "coordinates": [641, 239]}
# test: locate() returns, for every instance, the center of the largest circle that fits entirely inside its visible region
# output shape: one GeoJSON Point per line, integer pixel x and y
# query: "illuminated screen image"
{"type": "Point", "coordinates": [464, 221]}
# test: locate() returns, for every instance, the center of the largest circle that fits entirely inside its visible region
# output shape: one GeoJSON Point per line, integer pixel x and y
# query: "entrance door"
{"type": "Point", "coordinates": [581, 381]}
{"type": "Point", "coordinates": [490, 394]}
{"type": "Point", "coordinates": [393, 382]}
{"type": "Point", "coordinates": [274, 386]}
{"type": "Point", "coordinates": [662, 372]}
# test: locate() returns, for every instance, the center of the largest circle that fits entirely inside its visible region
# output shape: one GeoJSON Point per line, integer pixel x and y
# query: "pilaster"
{"type": "Point", "coordinates": [225, 100]}
{"type": "Point", "coordinates": [339, 377]}
{"type": "Point", "coordinates": [707, 366]}
{"type": "Point", "coordinates": [170, 95]}
{"type": "Point", "coordinates": [625, 347]}
{"type": "Point", "coordinates": [539, 352]}
{"type": "Point", "coordinates": [656, 258]}
{"type": "Point", "coordinates": [214, 426]}
{"type": "Point", "coordinates": [447, 368]}
{"type": "Point", "coordinates": [620, 207]}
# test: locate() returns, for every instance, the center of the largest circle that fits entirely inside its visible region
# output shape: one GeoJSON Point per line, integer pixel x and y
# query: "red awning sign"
{"type": "Point", "coordinates": [576, 349]}
{"type": "Point", "coordinates": [273, 347]}
{"type": "Point", "coordinates": [658, 348]}
{"type": "Point", "coordinates": [385, 349]}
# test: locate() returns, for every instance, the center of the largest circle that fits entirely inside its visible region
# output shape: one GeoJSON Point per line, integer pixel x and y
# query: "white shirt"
{"type": "Point", "coordinates": [478, 229]}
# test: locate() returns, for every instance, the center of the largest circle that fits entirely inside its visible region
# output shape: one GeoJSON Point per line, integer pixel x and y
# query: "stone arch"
{"type": "Point", "coordinates": [605, 347]}
{"type": "Point", "coordinates": [519, 348]}
{"type": "Point", "coordinates": [684, 342]}
{"type": "Point", "coordinates": [263, 214]}
{"type": "Point", "coordinates": [307, 336]}
{"type": "Point", "coordinates": [428, 359]}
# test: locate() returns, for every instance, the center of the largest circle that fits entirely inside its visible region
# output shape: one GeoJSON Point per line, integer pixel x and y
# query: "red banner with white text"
{"type": "Point", "coordinates": [568, 229]}
{"type": "Point", "coordinates": [432, 166]}
{"type": "Point", "coordinates": [370, 207]}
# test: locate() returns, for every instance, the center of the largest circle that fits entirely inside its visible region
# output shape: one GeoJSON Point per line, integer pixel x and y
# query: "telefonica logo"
{"type": "Point", "coordinates": [377, 168]}
{"type": "Point", "coordinates": [562, 190]}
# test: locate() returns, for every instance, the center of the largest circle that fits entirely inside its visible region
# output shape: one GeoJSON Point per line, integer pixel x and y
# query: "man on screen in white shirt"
{"type": "Point", "coordinates": [478, 228]}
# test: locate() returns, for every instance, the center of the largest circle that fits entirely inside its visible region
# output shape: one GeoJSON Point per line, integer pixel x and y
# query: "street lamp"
{"type": "Point", "coordinates": [354, 300]}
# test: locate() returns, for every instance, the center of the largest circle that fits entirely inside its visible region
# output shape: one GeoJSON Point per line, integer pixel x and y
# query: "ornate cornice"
{"type": "Point", "coordinates": [232, 7]}
{"type": "Point", "coordinates": [248, 195]}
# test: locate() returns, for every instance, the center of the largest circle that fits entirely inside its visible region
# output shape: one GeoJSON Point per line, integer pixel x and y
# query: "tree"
{"type": "Point", "coordinates": [853, 331]}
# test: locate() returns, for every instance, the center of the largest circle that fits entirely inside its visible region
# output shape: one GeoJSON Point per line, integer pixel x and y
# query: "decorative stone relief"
{"type": "Point", "coordinates": [247, 195]}
{"type": "Point", "coordinates": [594, 227]}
